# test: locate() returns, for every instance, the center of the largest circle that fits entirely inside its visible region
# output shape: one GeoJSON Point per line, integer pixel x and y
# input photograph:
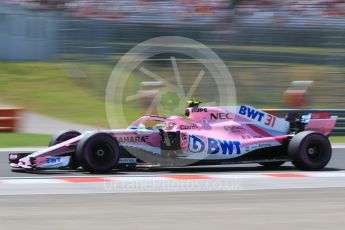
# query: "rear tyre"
{"type": "Point", "coordinates": [64, 136]}
{"type": "Point", "coordinates": [310, 150]}
{"type": "Point", "coordinates": [98, 152]}
{"type": "Point", "coordinates": [274, 164]}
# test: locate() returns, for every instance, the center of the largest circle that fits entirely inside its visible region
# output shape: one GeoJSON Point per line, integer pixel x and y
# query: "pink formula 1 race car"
{"type": "Point", "coordinates": [207, 135]}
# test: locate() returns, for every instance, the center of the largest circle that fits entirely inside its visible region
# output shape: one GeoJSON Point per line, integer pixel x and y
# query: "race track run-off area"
{"type": "Point", "coordinates": [171, 183]}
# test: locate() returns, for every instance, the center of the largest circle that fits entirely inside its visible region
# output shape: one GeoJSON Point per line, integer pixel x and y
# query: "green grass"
{"type": "Point", "coordinates": [69, 91]}
{"type": "Point", "coordinates": [23, 140]}
{"type": "Point", "coordinates": [340, 139]}
{"type": "Point", "coordinates": [262, 48]}
{"type": "Point", "coordinates": [47, 89]}
{"type": "Point", "coordinates": [74, 91]}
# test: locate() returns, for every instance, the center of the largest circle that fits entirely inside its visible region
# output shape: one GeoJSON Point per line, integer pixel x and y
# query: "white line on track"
{"type": "Point", "coordinates": [171, 183]}
{"type": "Point", "coordinates": [338, 146]}
{"type": "Point", "coordinates": [216, 175]}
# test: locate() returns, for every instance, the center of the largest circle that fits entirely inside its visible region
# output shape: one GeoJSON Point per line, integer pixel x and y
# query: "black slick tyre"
{"type": "Point", "coordinates": [310, 150]}
{"type": "Point", "coordinates": [98, 152]}
{"type": "Point", "coordinates": [63, 136]}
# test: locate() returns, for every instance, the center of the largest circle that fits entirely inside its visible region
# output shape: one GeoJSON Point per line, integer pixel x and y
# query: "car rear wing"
{"type": "Point", "coordinates": [321, 122]}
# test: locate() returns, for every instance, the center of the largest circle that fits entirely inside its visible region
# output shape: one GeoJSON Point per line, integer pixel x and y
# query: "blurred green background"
{"type": "Point", "coordinates": [56, 56]}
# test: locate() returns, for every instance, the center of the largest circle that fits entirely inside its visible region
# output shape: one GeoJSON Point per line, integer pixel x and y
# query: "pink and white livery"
{"type": "Point", "coordinates": [206, 135]}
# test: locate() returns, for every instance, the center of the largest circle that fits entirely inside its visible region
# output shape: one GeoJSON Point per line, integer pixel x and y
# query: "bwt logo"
{"type": "Point", "coordinates": [195, 144]}
{"type": "Point", "coordinates": [53, 160]}
{"type": "Point", "coordinates": [214, 146]}
{"type": "Point", "coordinates": [251, 113]}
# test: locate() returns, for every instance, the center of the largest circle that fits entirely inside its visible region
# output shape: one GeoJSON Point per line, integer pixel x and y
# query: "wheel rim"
{"type": "Point", "coordinates": [101, 154]}
{"type": "Point", "coordinates": [314, 152]}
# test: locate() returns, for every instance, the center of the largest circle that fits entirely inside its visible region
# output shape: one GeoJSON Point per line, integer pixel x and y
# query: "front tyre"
{"type": "Point", "coordinates": [310, 150]}
{"type": "Point", "coordinates": [64, 136]}
{"type": "Point", "coordinates": [98, 152]}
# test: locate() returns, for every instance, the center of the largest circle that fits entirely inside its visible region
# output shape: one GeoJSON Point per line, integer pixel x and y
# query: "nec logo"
{"type": "Point", "coordinates": [221, 116]}
{"type": "Point", "coordinates": [251, 113]}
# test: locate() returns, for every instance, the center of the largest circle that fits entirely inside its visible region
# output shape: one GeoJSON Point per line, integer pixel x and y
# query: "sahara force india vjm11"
{"type": "Point", "coordinates": [205, 136]}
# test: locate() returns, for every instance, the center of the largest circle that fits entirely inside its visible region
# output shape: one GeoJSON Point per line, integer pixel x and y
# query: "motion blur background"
{"type": "Point", "coordinates": [57, 55]}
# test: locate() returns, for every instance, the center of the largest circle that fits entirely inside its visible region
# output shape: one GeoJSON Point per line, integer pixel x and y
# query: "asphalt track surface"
{"type": "Point", "coordinates": [265, 209]}
{"type": "Point", "coordinates": [298, 203]}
